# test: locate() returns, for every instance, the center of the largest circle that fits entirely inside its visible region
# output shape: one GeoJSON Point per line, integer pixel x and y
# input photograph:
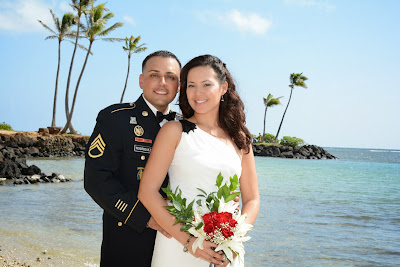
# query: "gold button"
{"type": "Point", "coordinates": [142, 157]}
{"type": "Point", "coordinates": [119, 223]}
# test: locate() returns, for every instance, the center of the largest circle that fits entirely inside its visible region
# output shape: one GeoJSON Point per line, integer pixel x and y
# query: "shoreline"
{"type": "Point", "coordinates": [18, 249]}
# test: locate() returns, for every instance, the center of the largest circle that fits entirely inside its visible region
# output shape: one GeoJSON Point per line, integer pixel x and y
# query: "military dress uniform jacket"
{"type": "Point", "coordinates": [116, 155]}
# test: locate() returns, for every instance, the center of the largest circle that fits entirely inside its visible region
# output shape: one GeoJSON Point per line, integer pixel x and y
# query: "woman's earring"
{"type": "Point", "coordinates": [222, 98]}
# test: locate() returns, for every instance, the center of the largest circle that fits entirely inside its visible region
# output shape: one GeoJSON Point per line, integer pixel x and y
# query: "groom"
{"type": "Point", "coordinates": [116, 155]}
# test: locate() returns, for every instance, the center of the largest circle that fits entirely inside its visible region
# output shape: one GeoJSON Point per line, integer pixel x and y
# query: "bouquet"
{"type": "Point", "coordinates": [215, 219]}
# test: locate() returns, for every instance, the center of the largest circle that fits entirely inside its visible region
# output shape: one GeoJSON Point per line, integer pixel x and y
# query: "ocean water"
{"type": "Point", "coordinates": [343, 212]}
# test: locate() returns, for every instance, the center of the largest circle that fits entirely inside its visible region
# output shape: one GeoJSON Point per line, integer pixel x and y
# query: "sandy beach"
{"type": "Point", "coordinates": [21, 251]}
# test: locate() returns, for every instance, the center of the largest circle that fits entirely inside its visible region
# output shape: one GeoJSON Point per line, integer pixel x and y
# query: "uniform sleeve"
{"type": "Point", "coordinates": [102, 165]}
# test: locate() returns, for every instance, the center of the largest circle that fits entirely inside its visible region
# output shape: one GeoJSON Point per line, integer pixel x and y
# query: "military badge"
{"type": "Point", "coordinates": [133, 120]}
{"type": "Point", "coordinates": [97, 147]}
{"type": "Point", "coordinates": [139, 173]}
{"type": "Point", "coordinates": [143, 140]}
{"type": "Point", "coordinates": [142, 149]}
{"type": "Point", "coordinates": [138, 130]}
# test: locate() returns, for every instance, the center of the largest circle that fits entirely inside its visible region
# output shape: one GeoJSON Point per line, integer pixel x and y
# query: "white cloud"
{"type": "Point", "coordinates": [23, 15]}
{"type": "Point", "coordinates": [311, 3]}
{"type": "Point", "coordinates": [252, 23]}
{"type": "Point", "coordinates": [129, 20]}
{"type": "Point", "coordinates": [246, 23]}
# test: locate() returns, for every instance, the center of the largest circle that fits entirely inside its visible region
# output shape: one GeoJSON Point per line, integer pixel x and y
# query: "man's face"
{"type": "Point", "coordinates": [160, 81]}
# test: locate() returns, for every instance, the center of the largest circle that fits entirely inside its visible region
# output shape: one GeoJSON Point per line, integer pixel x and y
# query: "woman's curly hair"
{"type": "Point", "coordinates": [231, 111]}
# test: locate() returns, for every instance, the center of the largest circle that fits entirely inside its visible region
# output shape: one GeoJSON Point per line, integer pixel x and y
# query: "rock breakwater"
{"type": "Point", "coordinates": [303, 152]}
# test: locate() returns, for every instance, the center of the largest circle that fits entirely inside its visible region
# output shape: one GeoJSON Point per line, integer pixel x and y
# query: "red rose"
{"type": "Point", "coordinates": [219, 219]}
{"type": "Point", "coordinates": [209, 229]}
{"type": "Point", "coordinates": [209, 217]}
{"type": "Point", "coordinates": [232, 222]}
{"type": "Point", "coordinates": [227, 232]}
{"type": "Point", "coordinates": [228, 216]}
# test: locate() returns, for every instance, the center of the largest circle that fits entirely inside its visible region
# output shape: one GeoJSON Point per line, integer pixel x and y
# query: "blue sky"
{"type": "Point", "coordinates": [349, 50]}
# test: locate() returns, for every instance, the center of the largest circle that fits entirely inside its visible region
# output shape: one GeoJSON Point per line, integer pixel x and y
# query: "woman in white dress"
{"type": "Point", "coordinates": [213, 139]}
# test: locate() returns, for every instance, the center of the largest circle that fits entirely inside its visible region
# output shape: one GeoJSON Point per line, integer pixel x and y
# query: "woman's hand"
{"type": "Point", "coordinates": [208, 253]}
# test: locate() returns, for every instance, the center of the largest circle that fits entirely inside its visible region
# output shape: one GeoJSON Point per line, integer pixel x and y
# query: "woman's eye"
{"type": "Point", "coordinates": [207, 84]}
{"type": "Point", "coordinates": [190, 86]}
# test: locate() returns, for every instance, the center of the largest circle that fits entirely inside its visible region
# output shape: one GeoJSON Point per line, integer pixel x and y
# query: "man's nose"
{"type": "Point", "coordinates": [162, 80]}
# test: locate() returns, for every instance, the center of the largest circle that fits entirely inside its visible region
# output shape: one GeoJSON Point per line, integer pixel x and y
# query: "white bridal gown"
{"type": "Point", "coordinates": [198, 160]}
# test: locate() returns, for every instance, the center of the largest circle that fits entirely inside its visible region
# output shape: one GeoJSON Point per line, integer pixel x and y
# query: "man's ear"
{"type": "Point", "coordinates": [141, 81]}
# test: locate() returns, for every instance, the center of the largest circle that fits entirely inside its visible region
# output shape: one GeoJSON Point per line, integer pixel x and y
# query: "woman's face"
{"type": "Point", "coordinates": [204, 90]}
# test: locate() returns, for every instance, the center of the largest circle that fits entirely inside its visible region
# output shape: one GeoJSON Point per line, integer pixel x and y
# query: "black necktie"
{"type": "Point", "coordinates": [170, 116]}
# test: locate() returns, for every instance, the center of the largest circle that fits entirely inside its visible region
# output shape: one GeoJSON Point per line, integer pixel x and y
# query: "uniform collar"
{"type": "Point", "coordinates": [153, 108]}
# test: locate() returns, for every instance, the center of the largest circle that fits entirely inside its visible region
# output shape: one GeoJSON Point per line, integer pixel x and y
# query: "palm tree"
{"type": "Point", "coordinates": [270, 101]}
{"type": "Point", "coordinates": [80, 7]}
{"type": "Point", "coordinates": [296, 79]}
{"type": "Point", "coordinates": [96, 22]}
{"type": "Point", "coordinates": [63, 29]}
{"type": "Point", "coordinates": [131, 47]}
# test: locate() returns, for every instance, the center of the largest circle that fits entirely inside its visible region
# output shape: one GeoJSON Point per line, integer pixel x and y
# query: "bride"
{"type": "Point", "coordinates": [211, 139]}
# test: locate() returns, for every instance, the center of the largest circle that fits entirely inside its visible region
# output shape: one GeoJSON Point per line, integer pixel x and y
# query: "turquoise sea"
{"type": "Point", "coordinates": [343, 212]}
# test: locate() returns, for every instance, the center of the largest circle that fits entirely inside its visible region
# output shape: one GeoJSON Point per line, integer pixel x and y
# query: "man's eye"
{"type": "Point", "coordinates": [172, 77]}
{"type": "Point", "coordinates": [154, 75]}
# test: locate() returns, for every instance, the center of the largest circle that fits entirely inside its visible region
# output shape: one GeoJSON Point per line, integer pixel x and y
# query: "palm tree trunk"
{"type": "Point", "coordinates": [265, 115]}
{"type": "Point", "coordinates": [127, 75]}
{"type": "Point", "coordinates": [53, 121]}
{"type": "Point", "coordinates": [280, 125]}
{"type": "Point", "coordinates": [69, 79]}
{"type": "Point", "coordinates": [76, 91]}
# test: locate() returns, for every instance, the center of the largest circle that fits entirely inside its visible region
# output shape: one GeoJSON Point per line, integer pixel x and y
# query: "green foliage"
{"type": "Point", "coordinates": [269, 138]}
{"type": "Point", "coordinates": [5, 126]}
{"type": "Point", "coordinates": [291, 141]}
{"type": "Point", "coordinates": [184, 214]}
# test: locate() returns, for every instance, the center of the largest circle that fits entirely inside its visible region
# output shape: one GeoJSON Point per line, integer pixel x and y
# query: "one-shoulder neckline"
{"type": "Point", "coordinates": [224, 142]}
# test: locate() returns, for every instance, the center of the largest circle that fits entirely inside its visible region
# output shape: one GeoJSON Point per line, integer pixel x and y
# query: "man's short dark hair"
{"type": "Point", "coordinates": [160, 53]}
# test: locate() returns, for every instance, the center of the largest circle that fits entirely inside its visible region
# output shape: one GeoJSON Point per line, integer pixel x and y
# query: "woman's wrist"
{"type": "Point", "coordinates": [185, 247]}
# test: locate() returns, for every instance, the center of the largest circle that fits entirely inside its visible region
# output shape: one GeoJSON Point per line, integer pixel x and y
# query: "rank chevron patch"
{"type": "Point", "coordinates": [97, 147]}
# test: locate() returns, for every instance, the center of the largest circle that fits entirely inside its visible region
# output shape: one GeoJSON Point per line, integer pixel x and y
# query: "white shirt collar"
{"type": "Point", "coordinates": [153, 108]}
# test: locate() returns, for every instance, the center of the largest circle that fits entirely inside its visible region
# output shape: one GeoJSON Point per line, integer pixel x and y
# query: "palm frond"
{"type": "Point", "coordinates": [47, 27]}
{"type": "Point", "coordinates": [51, 37]}
{"type": "Point", "coordinates": [110, 29]}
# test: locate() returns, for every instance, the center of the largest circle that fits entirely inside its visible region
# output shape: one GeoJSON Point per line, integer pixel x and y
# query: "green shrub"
{"type": "Point", "coordinates": [269, 138]}
{"type": "Point", "coordinates": [291, 141]}
{"type": "Point", "coordinates": [5, 126]}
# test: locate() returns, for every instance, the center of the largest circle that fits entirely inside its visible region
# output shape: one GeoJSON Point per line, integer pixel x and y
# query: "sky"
{"type": "Point", "coordinates": [349, 50]}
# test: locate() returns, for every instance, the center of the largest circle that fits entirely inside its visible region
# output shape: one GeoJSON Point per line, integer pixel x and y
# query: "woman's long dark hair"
{"type": "Point", "coordinates": [231, 111]}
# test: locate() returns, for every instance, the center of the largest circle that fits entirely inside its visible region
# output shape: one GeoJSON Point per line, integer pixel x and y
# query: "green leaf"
{"type": "Point", "coordinates": [186, 227]}
{"type": "Point", "coordinates": [198, 202]}
{"type": "Point", "coordinates": [219, 179]}
{"type": "Point", "coordinates": [199, 226]}
{"type": "Point", "coordinates": [220, 192]}
{"type": "Point", "coordinates": [232, 196]}
{"type": "Point", "coordinates": [177, 205]}
{"type": "Point", "coordinates": [204, 192]}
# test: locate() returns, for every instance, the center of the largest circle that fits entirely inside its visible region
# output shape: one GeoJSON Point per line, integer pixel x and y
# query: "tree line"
{"type": "Point", "coordinates": [296, 79]}
{"type": "Point", "coordinates": [89, 22]}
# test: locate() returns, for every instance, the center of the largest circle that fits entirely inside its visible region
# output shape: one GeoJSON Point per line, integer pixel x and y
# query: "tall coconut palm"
{"type": "Point", "coordinates": [80, 6]}
{"type": "Point", "coordinates": [296, 79]}
{"type": "Point", "coordinates": [131, 47]}
{"type": "Point", "coordinates": [96, 22]}
{"type": "Point", "coordinates": [270, 101]}
{"type": "Point", "coordinates": [62, 30]}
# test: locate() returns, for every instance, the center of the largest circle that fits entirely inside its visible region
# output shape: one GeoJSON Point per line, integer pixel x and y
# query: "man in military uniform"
{"type": "Point", "coordinates": [116, 155]}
